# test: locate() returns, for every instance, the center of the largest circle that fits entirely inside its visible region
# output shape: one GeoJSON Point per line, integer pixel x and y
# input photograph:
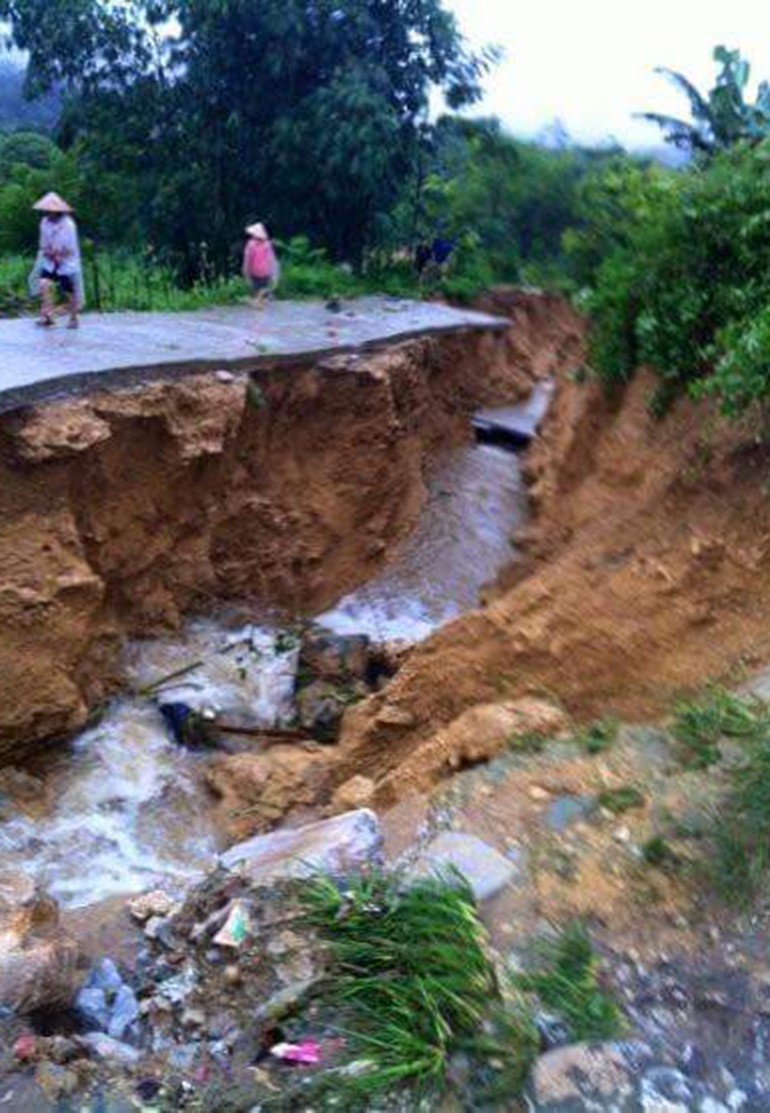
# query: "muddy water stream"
{"type": "Point", "coordinates": [123, 808]}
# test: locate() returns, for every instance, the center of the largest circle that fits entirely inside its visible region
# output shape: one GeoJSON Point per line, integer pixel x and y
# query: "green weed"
{"type": "Point", "coordinates": [700, 723]}
{"type": "Point", "coordinates": [566, 979]}
{"type": "Point", "coordinates": [533, 742]}
{"type": "Point", "coordinates": [412, 979]}
{"type": "Point", "coordinates": [657, 852]}
{"type": "Point", "coordinates": [619, 800]}
{"type": "Point", "coordinates": [742, 837]}
{"type": "Point", "coordinates": [598, 736]}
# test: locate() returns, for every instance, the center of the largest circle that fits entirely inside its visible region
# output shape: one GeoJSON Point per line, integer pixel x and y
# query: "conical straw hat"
{"type": "Point", "coordinates": [258, 231]}
{"type": "Point", "coordinates": [52, 203]}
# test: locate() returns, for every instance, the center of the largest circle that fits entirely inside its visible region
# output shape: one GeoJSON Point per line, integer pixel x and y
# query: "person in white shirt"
{"type": "Point", "coordinates": [58, 268]}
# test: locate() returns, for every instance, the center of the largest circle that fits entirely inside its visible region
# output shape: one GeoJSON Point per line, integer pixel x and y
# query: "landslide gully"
{"type": "Point", "coordinates": [124, 510]}
{"type": "Point", "coordinates": [648, 574]}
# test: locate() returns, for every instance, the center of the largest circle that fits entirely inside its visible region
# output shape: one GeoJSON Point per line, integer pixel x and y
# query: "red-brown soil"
{"type": "Point", "coordinates": [122, 511]}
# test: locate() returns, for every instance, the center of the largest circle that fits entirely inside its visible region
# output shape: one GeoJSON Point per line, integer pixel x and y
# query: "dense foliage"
{"type": "Point", "coordinates": [688, 292]}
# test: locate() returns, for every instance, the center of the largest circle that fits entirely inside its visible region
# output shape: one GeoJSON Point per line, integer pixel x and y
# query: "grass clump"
{"type": "Point", "coordinates": [598, 736]}
{"type": "Point", "coordinates": [413, 984]}
{"type": "Point", "coordinates": [700, 723]}
{"type": "Point", "coordinates": [657, 852]}
{"type": "Point", "coordinates": [532, 742]}
{"type": "Point", "coordinates": [566, 980]}
{"type": "Point", "coordinates": [619, 800]}
{"type": "Point", "coordinates": [742, 837]}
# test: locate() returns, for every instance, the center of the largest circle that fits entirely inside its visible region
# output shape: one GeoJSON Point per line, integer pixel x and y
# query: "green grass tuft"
{"type": "Point", "coordinates": [619, 800]}
{"type": "Point", "coordinates": [566, 980]}
{"type": "Point", "coordinates": [700, 723]}
{"type": "Point", "coordinates": [598, 736]}
{"type": "Point", "coordinates": [656, 852]}
{"type": "Point", "coordinates": [414, 984]}
{"type": "Point", "coordinates": [742, 837]}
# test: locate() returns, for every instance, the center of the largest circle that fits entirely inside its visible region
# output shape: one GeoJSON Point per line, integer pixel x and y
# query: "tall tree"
{"type": "Point", "coordinates": [306, 113]}
{"type": "Point", "coordinates": [722, 117]}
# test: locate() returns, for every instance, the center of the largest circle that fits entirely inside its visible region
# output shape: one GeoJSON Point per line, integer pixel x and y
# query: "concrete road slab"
{"type": "Point", "coordinates": [128, 348]}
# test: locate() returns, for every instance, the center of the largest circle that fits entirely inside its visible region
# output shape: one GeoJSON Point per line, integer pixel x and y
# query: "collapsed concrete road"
{"type": "Point", "coordinates": [136, 491]}
{"type": "Point", "coordinates": [122, 349]}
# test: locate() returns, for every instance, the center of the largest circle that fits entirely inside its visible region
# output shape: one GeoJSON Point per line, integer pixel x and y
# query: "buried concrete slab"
{"type": "Point", "coordinates": [338, 846]}
{"type": "Point", "coordinates": [485, 869]}
{"type": "Point", "coordinates": [131, 348]}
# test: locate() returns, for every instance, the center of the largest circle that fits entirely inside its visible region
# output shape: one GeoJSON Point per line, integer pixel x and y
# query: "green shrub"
{"type": "Point", "coordinates": [566, 979]}
{"type": "Point", "coordinates": [687, 293]}
{"type": "Point", "coordinates": [414, 984]}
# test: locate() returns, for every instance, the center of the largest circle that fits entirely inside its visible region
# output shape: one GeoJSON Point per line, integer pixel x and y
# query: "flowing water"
{"type": "Point", "coordinates": [123, 808]}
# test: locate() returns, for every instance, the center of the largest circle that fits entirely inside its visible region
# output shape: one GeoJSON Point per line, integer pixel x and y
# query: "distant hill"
{"type": "Point", "coordinates": [17, 112]}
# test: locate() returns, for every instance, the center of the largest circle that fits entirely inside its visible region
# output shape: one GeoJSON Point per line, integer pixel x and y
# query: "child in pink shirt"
{"type": "Point", "coordinates": [260, 264]}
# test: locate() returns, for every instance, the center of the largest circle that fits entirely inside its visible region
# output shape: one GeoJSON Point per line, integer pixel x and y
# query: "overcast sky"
{"type": "Point", "coordinates": [590, 62]}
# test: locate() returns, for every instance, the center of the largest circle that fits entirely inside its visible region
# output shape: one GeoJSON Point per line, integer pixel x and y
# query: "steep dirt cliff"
{"type": "Point", "coordinates": [647, 575]}
{"type": "Point", "coordinates": [123, 510]}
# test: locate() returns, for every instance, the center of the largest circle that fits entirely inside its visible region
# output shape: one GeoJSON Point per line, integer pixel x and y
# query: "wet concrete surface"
{"type": "Point", "coordinates": [127, 348]}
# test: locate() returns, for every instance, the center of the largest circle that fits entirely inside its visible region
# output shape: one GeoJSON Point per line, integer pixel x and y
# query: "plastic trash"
{"type": "Point", "coordinates": [237, 926]}
{"type": "Point", "coordinates": [308, 1052]}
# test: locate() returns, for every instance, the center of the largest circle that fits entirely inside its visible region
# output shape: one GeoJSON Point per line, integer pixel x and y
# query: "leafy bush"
{"type": "Point", "coordinates": [688, 293]}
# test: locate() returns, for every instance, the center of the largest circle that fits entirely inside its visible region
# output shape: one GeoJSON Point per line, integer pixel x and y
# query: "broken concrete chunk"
{"type": "Point", "coordinates": [485, 869]}
{"type": "Point", "coordinates": [337, 846]}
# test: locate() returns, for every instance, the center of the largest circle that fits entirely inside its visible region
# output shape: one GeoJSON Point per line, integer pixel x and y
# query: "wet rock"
{"type": "Point", "coordinates": [111, 1050]}
{"type": "Point", "coordinates": [91, 1004]}
{"type": "Point", "coordinates": [124, 1014]}
{"type": "Point", "coordinates": [333, 657]}
{"type": "Point", "coordinates": [588, 1076]}
{"type": "Point", "coordinates": [321, 705]}
{"type": "Point", "coordinates": [486, 869]}
{"type": "Point", "coordinates": [336, 846]}
{"type": "Point", "coordinates": [105, 975]}
{"type": "Point", "coordinates": [38, 958]}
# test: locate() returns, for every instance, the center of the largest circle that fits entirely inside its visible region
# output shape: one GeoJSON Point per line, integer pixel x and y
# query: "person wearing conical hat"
{"type": "Point", "coordinates": [260, 264]}
{"type": "Point", "coordinates": [58, 268]}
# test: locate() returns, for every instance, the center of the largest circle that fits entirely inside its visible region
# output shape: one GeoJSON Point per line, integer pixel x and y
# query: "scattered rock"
{"type": "Point", "coordinates": [586, 1076]}
{"type": "Point", "coordinates": [336, 846]}
{"type": "Point", "coordinates": [149, 905]}
{"type": "Point", "coordinates": [91, 1004]}
{"type": "Point", "coordinates": [38, 958]}
{"type": "Point", "coordinates": [125, 1012]}
{"type": "Point", "coordinates": [334, 657]}
{"type": "Point", "coordinates": [485, 869]}
{"type": "Point", "coordinates": [112, 1050]}
{"type": "Point", "coordinates": [321, 705]}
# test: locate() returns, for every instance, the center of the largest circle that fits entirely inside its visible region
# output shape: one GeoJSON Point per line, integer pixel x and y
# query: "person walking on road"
{"type": "Point", "coordinates": [260, 264]}
{"type": "Point", "coordinates": [58, 268]}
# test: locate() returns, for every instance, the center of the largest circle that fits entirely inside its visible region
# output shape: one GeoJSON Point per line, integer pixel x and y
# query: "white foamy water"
{"type": "Point", "coordinates": [126, 809]}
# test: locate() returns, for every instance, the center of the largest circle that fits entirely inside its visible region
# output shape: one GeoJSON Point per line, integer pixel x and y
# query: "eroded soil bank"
{"type": "Point", "coordinates": [647, 575]}
{"type": "Point", "coordinates": [122, 511]}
